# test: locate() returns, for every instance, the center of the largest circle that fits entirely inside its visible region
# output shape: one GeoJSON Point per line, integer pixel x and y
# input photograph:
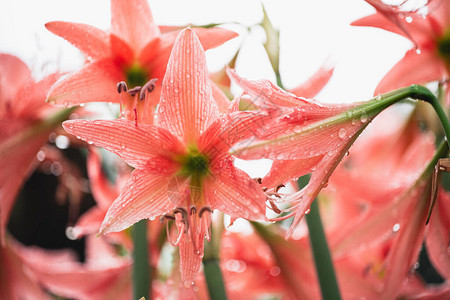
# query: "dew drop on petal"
{"type": "Point", "coordinates": [275, 271]}
{"type": "Point", "coordinates": [342, 133]}
{"type": "Point", "coordinates": [364, 118]}
{"type": "Point", "coordinates": [307, 211]}
{"type": "Point", "coordinates": [396, 227]}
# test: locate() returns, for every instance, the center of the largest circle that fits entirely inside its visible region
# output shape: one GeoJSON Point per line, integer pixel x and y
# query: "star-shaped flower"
{"type": "Point", "coordinates": [134, 51]}
{"type": "Point", "coordinates": [182, 166]}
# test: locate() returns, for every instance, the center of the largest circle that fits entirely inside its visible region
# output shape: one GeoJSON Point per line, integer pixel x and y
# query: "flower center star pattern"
{"type": "Point", "coordinates": [183, 169]}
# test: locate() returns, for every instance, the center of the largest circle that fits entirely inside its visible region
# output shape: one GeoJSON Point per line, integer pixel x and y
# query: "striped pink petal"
{"type": "Point", "coordinates": [96, 82]}
{"type": "Point", "coordinates": [186, 106]}
{"type": "Point", "coordinates": [232, 191]}
{"type": "Point", "coordinates": [137, 145]}
{"type": "Point", "coordinates": [413, 68]}
{"type": "Point", "coordinates": [144, 197]}
{"type": "Point", "coordinates": [133, 22]}
{"type": "Point", "coordinates": [93, 42]}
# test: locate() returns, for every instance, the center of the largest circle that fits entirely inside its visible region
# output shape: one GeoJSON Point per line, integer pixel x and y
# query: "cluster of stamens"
{"type": "Point", "coordinates": [190, 222]}
{"type": "Point", "coordinates": [141, 90]}
{"type": "Point", "coordinates": [273, 196]}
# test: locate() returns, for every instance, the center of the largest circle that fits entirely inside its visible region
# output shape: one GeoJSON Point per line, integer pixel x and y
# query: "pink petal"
{"type": "Point", "coordinates": [103, 191]}
{"type": "Point", "coordinates": [16, 164]}
{"type": "Point", "coordinates": [89, 222]}
{"type": "Point", "coordinates": [283, 171]}
{"type": "Point", "coordinates": [413, 68]}
{"type": "Point", "coordinates": [438, 238]}
{"type": "Point", "coordinates": [137, 145]}
{"type": "Point", "coordinates": [14, 73]}
{"type": "Point", "coordinates": [264, 93]}
{"type": "Point", "coordinates": [419, 31]}
{"type": "Point", "coordinates": [93, 42]}
{"type": "Point", "coordinates": [318, 180]}
{"type": "Point", "coordinates": [314, 84]}
{"type": "Point", "coordinates": [222, 101]}
{"type": "Point", "coordinates": [190, 259]}
{"type": "Point", "coordinates": [406, 246]}
{"type": "Point", "coordinates": [230, 129]}
{"type": "Point", "coordinates": [186, 107]}
{"type": "Point", "coordinates": [133, 22]}
{"type": "Point", "coordinates": [96, 82]}
{"type": "Point", "coordinates": [30, 101]}
{"type": "Point", "coordinates": [157, 51]}
{"type": "Point", "coordinates": [145, 196]}
{"type": "Point", "coordinates": [123, 54]}
{"type": "Point", "coordinates": [304, 133]}
{"type": "Point", "coordinates": [232, 191]}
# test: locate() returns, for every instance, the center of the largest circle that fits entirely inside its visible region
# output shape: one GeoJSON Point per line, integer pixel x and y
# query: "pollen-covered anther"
{"type": "Point", "coordinates": [141, 90]}
{"type": "Point", "coordinates": [203, 210]}
{"type": "Point", "coordinates": [121, 87]}
{"type": "Point", "coordinates": [147, 88]}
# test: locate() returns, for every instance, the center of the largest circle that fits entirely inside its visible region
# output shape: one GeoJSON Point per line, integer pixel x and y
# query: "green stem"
{"type": "Point", "coordinates": [322, 257]}
{"type": "Point", "coordinates": [141, 267]}
{"type": "Point", "coordinates": [279, 82]}
{"type": "Point", "coordinates": [211, 263]}
{"type": "Point", "coordinates": [441, 115]}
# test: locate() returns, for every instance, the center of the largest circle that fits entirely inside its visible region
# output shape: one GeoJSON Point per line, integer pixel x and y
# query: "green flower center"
{"type": "Point", "coordinates": [194, 165]}
{"type": "Point", "coordinates": [136, 76]}
{"type": "Point", "coordinates": [444, 46]}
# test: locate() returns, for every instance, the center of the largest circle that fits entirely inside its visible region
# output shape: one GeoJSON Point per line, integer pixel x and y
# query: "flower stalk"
{"type": "Point", "coordinates": [322, 258]}
{"type": "Point", "coordinates": [211, 263]}
{"type": "Point", "coordinates": [141, 267]}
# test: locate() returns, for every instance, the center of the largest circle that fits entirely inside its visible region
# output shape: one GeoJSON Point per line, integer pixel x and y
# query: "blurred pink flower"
{"type": "Point", "coordinates": [430, 59]}
{"type": "Point", "coordinates": [24, 128]}
{"type": "Point", "coordinates": [182, 165]}
{"type": "Point", "coordinates": [134, 51]}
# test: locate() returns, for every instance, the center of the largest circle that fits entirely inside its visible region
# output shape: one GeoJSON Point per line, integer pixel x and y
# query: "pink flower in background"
{"type": "Point", "coordinates": [430, 60]}
{"type": "Point", "coordinates": [134, 51]}
{"type": "Point", "coordinates": [23, 129]}
{"type": "Point", "coordinates": [299, 142]}
{"type": "Point", "coordinates": [182, 165]}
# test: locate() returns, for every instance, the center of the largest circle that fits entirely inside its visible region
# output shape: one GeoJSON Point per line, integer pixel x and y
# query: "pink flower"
{"type": "Point", "coordinates": [16, 280]}
{"type": "Point", "coordinates": [430, 59]}
{"type": "Point", "coordinates": [300, 141]}
{"type": "Point", "coordinates": [23, 127]}
{"type": "Point", "coordinates": [134, 51]}
{"type": "Point", "coordinates": [182, 165]}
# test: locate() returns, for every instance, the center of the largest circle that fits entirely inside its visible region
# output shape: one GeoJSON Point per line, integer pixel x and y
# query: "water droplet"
{"type": "Point", "coordinates": [122, 146]}
{"type": "Point", "coordinates": [297, 129]}
{"type": "Point", "coordinates": [396, 227]}
{"type": "Point", "coordinates": [353, 121]}
{"type": "Point", "coordinates": [40, 155]}
{"type": "Point", "coordinates": [275, 271]}
{"type": "Point", "coordinates": [364, 118]}
{"type": "Point", "coordinates": [342, 133]}
{"type": "Point", "coordinates": [307, 211]}
{"type": "Point", "coordinates": [418, 51]}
